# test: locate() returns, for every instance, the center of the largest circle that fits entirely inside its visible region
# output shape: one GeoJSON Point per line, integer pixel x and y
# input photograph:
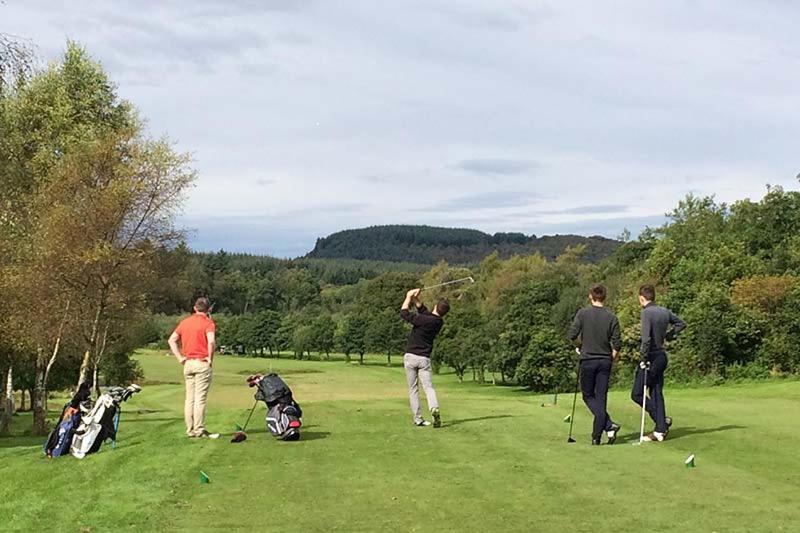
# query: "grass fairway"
{"type": "Point", "coordinates": [501, 463]}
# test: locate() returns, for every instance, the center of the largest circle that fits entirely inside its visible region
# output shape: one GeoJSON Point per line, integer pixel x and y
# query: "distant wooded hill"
{"type": "Point", "coordinates": [428, 245]}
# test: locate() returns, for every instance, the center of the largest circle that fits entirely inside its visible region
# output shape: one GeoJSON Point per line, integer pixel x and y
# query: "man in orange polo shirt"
{"type": "Point", "coordinates": [197, 337]}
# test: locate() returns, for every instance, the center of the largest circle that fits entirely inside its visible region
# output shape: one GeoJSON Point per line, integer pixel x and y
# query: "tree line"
{"type": "Point", "coordinates": [429, 245]}
{"type": "Point", "coordinates": [88, 203]}
{"type": "Point", "coordinates": [731, 271]}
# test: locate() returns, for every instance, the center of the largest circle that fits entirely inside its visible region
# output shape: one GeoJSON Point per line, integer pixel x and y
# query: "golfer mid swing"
{"type": "Point", "coordinates": [598, 329]}
{"type": "Point", "coordinates": [656, 323]}
{"type": "Point", "coordinates": [417, 360]}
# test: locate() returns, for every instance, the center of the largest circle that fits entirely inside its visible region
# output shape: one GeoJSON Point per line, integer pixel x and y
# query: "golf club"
{"type": "Point", "coordinates": [468, 278]}
{"type": "Point", "coordinates": [241, 436]}
{"type": "Point", "coordinates": [644, 403]}
{"type": "Point", "coordinates": [570, 440]}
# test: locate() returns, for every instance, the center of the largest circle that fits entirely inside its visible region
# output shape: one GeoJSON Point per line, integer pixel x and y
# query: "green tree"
{"type": "Point", "coordinates": [266, 325]}
{"type": "Point", "coordinates": [352, 337]}
{"type": "Point", "coordinates": [385, 333]}
{"type": "Point", "coordinates": [303, 341]}
{"type": "Point", "coordinates": [323, 334]}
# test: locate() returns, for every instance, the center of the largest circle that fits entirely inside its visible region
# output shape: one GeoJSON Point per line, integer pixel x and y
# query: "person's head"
{"type": "Point", "coordinates": [201, 305]}
{"type": "Point", "coordinates": [442, 307]}
{"type": "Point", "coordinates": [647, 294]}
{"type": "Point", "coordinates": [597, 293]}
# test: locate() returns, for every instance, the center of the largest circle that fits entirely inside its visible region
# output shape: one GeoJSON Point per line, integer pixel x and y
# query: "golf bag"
{"type": "Point", "coordinates": [284, 414]}
{"type": "Point", "coordinates": [102, 422]}
{"type": "Point", "coordinates": [96, 426]}
{"type": "Point", "coordinates": [60, 439]}
{"type": "Point", "coordinates": [84, 426]}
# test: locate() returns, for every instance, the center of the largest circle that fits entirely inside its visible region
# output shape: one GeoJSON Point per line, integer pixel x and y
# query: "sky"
{"type": "Point", "coordinates": [305, 117]}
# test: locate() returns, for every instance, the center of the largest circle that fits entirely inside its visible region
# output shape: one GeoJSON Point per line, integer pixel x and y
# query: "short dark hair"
{"type": "Point", "coordinates": [201, 305]}
{"type": "Point", "coordinates": [443, 307]}
{"type": "Point", "coordinates": [648, 291]}
{"type": "Point", "coordinates": [598, 292]}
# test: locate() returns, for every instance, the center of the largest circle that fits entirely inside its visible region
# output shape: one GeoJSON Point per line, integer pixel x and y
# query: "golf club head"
{"type": "Point", "coordinates": [570, 440]}
{"type": "Point", "coordinates": [239, 436]}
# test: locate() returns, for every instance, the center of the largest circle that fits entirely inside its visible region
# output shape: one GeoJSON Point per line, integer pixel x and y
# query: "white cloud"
{"type": "Point", "coordinates": [309, 117]}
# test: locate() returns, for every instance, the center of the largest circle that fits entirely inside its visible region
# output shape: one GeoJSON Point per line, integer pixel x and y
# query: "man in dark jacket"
{"type": "Point", "coordinates": [600, 342]}
{"type": "Point", "coordinates": [659, 325]}
{"type": "Point", "coordinates": [417, 360]}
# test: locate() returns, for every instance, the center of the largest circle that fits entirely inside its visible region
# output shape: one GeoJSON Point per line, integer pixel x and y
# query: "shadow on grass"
{"type": "Point", "coordinates": [304, 435]}
{"type": "Point", "coordinates": [688, 431]}
{"type": "Point", "coordinates": [476, 419]}
{"type": "Point", "coordinates": [680, 432]}
{"type": "Point", "coordinates": [313, 435]}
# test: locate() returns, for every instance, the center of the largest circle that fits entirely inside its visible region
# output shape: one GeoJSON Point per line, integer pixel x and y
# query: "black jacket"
{"type": "Point", "coordinates": [426, 327]}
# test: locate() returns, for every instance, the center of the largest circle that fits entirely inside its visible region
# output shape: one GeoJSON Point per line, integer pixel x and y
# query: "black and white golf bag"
{"type": "Point", "coordinates": [284, 415]}
{"type": "Point", "coordinates": [101, 422]}
{"type": "Point", "coordinates": [85, 425]}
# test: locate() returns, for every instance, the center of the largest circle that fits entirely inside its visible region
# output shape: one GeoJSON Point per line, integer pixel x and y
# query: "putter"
{"type": "Point", "coordinates": [644, 403]}
{"type": "Point", "coordinates": [468, 278]}
{"type": "Point", "coordinates": [570, 440]}
{"type": "Point", "coordinates": [241, 436]}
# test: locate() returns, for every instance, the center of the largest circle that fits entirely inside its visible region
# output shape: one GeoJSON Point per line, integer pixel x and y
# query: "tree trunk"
{"type": "Point", "coordinates": [38, 400]}
{"type": "Point", "coordinates": [83, 377]}
{"type": "Point", "coordinates": [347, 358]}
{"type": "Point", "coordinates": [51, 362]}
{"type": "Point", "coordinates": [95, 384]}
{"type": "Point", "coordinates": [96, 361]}
{"type": "Point", "coordinates": [21, 401]}
{"type": "Point", "coordinates": [388, 358]}
{"type": "Point", "coordinates": [8, 412]}
{"type": "Point", "coordinates": [361, 358]}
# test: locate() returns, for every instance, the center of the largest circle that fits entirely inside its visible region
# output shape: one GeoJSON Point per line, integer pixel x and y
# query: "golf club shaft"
{"type": "Point", "coordinates": [574, 401]}
{"type": "Point", "coordinates": [644, 403]}
{"type": "Point", "coordinates": [250, 416]}
{"type": "Point", "coordinates": [469, 278]}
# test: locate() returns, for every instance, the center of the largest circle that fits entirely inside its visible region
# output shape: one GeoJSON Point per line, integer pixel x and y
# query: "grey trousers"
{"type": "Point", "coordinates": [418, 369]}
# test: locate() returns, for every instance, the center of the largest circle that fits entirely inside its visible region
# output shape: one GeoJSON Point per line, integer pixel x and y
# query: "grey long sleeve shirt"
{"type": "Point", "coordinates": [599, 331]}
{"type": "Point", "coordinates": [656, 322]}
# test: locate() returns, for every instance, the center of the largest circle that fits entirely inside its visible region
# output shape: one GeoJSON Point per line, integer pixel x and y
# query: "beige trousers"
{"type": "Point", "coordinates": [418, 369]}
{"type": "Point", "coordinates": [198, 380]}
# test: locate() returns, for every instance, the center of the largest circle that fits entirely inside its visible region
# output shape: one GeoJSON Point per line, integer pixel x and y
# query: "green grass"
{"type": "Point", "coordinates": [501, 463]}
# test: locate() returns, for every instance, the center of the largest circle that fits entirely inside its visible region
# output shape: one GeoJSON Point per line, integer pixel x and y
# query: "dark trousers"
{"type": "Point", "coordinates": [654, 405]}
{"type": "Point", "coordinates": [595, 374]}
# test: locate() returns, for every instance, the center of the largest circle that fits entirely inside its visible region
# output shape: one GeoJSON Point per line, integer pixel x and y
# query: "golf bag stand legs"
{"type": "Point", "coordinates": [116, 428]}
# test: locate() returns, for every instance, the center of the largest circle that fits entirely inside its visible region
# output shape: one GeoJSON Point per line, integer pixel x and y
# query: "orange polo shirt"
{"type": "Point", "coordinates": [192, 332]}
